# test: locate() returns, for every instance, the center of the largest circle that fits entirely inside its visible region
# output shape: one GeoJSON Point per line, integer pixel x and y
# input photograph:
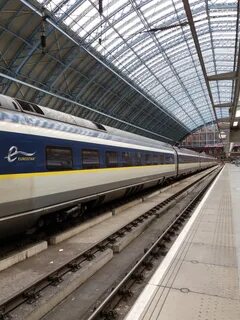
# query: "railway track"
{"type": "Point", "coordinates": [33, 292]}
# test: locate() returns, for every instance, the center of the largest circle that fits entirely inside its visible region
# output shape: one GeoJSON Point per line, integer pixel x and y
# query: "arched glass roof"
{"type": "Point", "coordinates": [152, 43]}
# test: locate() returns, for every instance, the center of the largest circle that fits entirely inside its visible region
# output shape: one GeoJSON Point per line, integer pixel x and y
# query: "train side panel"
{"type": "Point", "coordinates": [28, 184]}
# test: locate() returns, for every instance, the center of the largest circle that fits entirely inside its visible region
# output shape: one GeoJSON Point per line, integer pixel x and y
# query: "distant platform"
{"type": "Point", "coordinates": [199, 277]}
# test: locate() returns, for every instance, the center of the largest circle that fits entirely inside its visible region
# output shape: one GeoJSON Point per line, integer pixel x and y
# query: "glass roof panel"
{"type": "Point", "coordinates": [113, 6]}
{"type": "Point", "coordinates": [152, 44]}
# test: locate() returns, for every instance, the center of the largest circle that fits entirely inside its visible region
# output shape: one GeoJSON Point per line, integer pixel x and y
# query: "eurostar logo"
{"type": "Point", "coordinates": [15, 154]}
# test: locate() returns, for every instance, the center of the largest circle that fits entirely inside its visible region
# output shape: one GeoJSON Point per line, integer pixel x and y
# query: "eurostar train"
{"type": "Point", "coordinates": [52, 161]}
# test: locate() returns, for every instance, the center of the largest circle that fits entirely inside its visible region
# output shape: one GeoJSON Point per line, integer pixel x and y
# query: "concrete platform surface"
{"type": "Point", "coordinates": [199, 277]}
{"type": "Point", "coordinates": [23, 254]}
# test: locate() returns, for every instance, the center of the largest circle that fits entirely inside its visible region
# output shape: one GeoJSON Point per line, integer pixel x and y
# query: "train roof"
{"type": "Point", "coordinates": [101, 131]}
{"type": "Point", "coordinates": [27, 109]}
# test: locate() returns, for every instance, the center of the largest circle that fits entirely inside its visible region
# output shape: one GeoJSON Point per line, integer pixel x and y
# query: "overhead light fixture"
{"type": "Point", "coordinates": [237, 114]}
{"type": "Point", "coordinates": [235, 123]}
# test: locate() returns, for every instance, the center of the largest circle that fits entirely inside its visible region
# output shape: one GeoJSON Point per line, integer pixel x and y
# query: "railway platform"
{"type": "Point", "coordinates": [199, 277]}
{"type": "Point", "coordinates": [67, 262]}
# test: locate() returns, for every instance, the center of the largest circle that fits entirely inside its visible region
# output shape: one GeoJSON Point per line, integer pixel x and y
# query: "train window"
{"type": "Point", "coordinates": [161, 158]}
{"type": "Point", "coordinates": [138, 158]}
{"type": "Point", "coordinates": [37, 109]}
{"type": "Point", "coordinates": [148, 159]}
{"type": "Point", "coordinates": [183, 159]}
{"type": "Point", "coordinates": [30, 107]}
{"type": "Point", "coordinates": [100, 126]}
{"type": "Point", "coordinates": [111, 159]}
{"type": "Point", "coordinates": [15, 106]}
{"type": "Point", "coordinates": [90, 159]}
{"type": "Point", "coordinates": [169, 158]}
{"type": "Point", "coordinates": [58, 158]}
{"type": "Point", "coordinates": [155, 158]}
{"type": "Point", "coordinates": [25, 106]}
{"type": "Point", "coordinates": [126, 159]}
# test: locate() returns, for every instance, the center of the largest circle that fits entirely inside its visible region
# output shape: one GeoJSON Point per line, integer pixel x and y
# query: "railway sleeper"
{"type": "Point", "coordinates": [175, 227]}
{"type": "Point", "coordinates": [161, 246]}
{"type": "Point", "coordinates": [109, 315]}
{"type": "Point", "coordinates": [89, 256]}
{"type": "Point", "coordinates": [135, 223]}
{"type": "Point", "coordinates": [120, 233]}
{"type": "Point", "coordinates": [31, 296]}
{"type": "Point", "coordinates": [128, 228]}
{"type": "Point", "coordinates": [148, 265]}
{"type": "Point", "coordinates": [4, 316]}
{"type": "Point", "coordinates": [112, 239]}
{"type": "Point", "coordinates": [125, 293]}
{"type": "Point", "coordinates": [155, 254]}
{"type": "Point", "coordinates": [167, 238]}
{"type": "Point", "coordinates": [138, 277]}
{"type": "Point", "coordinates": [171, 233]}
{"type": "Point", "coordinates": [55, 279]}
{"type": "Point", "coordinates": [102, 247]}
{"type": "Point", "coordinates": [74, 266]}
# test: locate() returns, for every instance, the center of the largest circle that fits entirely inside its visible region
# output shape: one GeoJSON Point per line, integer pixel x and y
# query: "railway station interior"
{"type": "Point", "coordinates": [119, 159]}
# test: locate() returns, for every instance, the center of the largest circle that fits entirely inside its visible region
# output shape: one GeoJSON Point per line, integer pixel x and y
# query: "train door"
{"type": "Point", "coordinates": [176, 159]}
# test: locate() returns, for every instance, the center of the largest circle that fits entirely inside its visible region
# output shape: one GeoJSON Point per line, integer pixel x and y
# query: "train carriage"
{"type": "Point", "coordinates": [51, 160]}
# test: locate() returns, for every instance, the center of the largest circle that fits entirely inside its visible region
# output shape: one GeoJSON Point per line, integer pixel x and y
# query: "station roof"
{"type": "Point", "coordinates": [158, 68]}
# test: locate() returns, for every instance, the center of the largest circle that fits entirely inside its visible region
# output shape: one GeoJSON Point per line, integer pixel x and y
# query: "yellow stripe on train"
{"type": "Point", "coordinates": [79, 171]}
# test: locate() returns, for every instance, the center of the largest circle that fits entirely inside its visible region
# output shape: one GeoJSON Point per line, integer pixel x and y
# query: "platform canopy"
{"type": "Point", "coordinates": [161, 68]}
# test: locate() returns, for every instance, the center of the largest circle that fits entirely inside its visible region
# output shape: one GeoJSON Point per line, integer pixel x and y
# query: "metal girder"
{"type": "Point", "coordinates": [212, 46]}
{"type": "Point", "coordinates": [223, 76]}
{"type": "Point", "coordinates": [199, 53]}
{"type": "Point", "coordinates": [223, 120]}
{"type": "Point", "coordinates": [223, 105]}
{"type": "Point", "coordinates": [237, 68]}
{"type": "Point", "coordinates": [236, 44]}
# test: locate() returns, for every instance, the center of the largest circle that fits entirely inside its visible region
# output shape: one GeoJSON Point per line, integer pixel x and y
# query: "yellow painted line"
{"type": "Point", "coordinates": [80, 171]}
